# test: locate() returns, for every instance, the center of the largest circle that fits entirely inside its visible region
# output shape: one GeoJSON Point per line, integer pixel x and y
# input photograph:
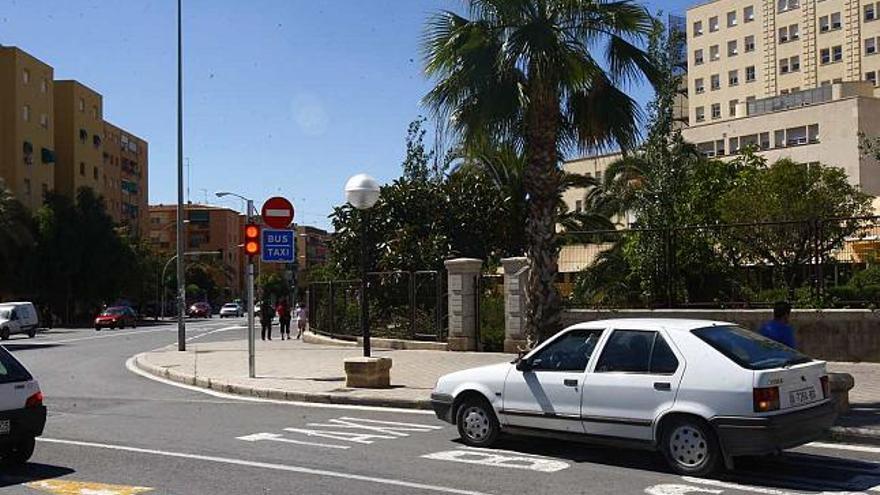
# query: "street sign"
{"type": "Point", "coordinates": [277, 212]}
{"type": "Point", "coordinates": [278, 246]}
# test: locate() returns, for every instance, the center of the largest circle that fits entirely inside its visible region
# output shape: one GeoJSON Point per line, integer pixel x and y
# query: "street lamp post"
{"type": "Point", "coordinates": [362, 192]}
{"type": "Point", "coordinates": [252, 363]}
{"type": "Point", "coordinates": [181, 284]}
{"type": "Point", "coordinates": [162, 280]}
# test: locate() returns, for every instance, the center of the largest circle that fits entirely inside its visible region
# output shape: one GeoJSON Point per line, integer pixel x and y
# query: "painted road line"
{"type": "Point", "coordinates": [266, 465]}
{"type": "Point", "coordinates": [501, 451]}
{"type": "Point", "coordinates": [99, 337]}
{"type": "Point", "coordinates": [844, 446]}
{"type": "Point", "coordinates": [130, 366]}
{"type": "Point", "coordinates": [529, 463]}
{"type": "Point", "coordinates": [799, 485]}
{"type": "Point", "coordinates": [211, 332]}
{"type": "Point", "coordinates": [673, 489]}
{"type": "Point", "coordinates": [382, 427]}
{"type": "Point", "coordinates": [274, 437]}
{"type": "Point", "coordinates": [345, 436]}
{"type": "Point", "coordinates": [65, 487]}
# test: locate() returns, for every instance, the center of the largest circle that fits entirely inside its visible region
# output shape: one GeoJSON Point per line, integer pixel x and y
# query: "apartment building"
{"type": "Point", "coordinates": [125, 165]}
{"type": "Point", "coordinates": [797, 78]}
{"type": "Point", "coordinates": [79, 127]}
{"type": "Point", "coordinates": [27, 140]}
{"type": "Point", "coordinates": [208, 228]}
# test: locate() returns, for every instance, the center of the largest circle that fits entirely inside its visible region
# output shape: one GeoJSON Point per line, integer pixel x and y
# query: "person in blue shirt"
{"type": "Point", "coordinates": [778, 328]}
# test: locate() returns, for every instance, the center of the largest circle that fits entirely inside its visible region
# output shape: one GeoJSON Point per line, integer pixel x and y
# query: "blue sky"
{"type": "Point", "coordinates": [282, 97]}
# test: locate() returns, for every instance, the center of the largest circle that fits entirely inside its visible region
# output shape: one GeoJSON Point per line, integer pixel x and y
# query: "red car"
{"type": "Point", "coordinates": [200, 310]}
{"type": "Point", "coordinates": [116, 317]}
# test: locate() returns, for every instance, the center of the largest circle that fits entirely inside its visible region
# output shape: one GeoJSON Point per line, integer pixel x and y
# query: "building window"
{"type": "Point", "coordinates": [698, 57]}
{"type": "Point", "coordinates": [786, 5]}
{"type": "Point", "coordinates": [25, 76]}
{"type": "Point", "coordinates": [698, 28]}
{"type": "Point", "coordinates": [715, 82]}
{"type": "Point", "coordinates": [82, 168]}
{"type": "Point", "coordinates": [837, 53]}
{"type": "Point", "coordinates": [94, 111]}
{"type": "Point", "coordinates": [700, 114]}
{"type": "Point", "coordinates": [713, 24]}
{"type": "Point", "coordinates": [835, 21]}
{"type": "Point", "coordinates": [44, 121]}
{"type": "Point", "coordinates": [870, 46]}
{"type": "Point", "coordinates": [27, 187]}
{"type": "Point", "coordinates": [783, 66]}
{"type": "Point", "coordinates": [716, 110]}
{"type": "Point", "coordinates": [96, 141]}
{"type": "Point", "coordinates": [26, 113]}
{"type": "Point", "coordinates": [714, 53]}
{"type": "Point", "coordinates": [750, 74]}
{"type": "Point", "coordinates": [749, 43]}
{"type": "Point", "coordinates": [870, 12]}
{"type": "Point", "coordinates": [795, 63]}
{"type": "Point", "coordinates": [82, 105]}
{"type": "Point", "coordinates": [825, 56]}
{"type": "Point", "coordinates": [699, 86]}
{"type": "Point", "coordinates": [783, 34]}
{"type": "Point", "coordinates": [871, 77]}
{"type": "Point", "coordinates": [793, 32]}
{"type": "Point", "coordinates": [733, 78]}
{"type": "Point", "coordinates": [731, 109]}
{"type": "Point", "coordinates": [95, 173]}
{"type": "Point", "coordinates": [44, 85]}
{"type": "Point", "coordinates": [749, 14]}
{"type": "Point", "coordinates": [731, 19]}
{"type": "Point", "coordinates": [731, 48]}
{"type": "Point", "coordinates": [83, 135]}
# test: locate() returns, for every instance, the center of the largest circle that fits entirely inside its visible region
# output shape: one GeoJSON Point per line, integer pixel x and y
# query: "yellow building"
{"type": "Point", "coordinates": [124, 163]}
{"type": "Point", "coordinates": [27, 158]}
{"type": "Point", "coordinates": [79, 127]}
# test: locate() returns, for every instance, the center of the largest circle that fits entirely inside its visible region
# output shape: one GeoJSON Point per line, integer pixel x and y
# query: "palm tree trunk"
{"type": "Point", "coordinates": [541, 181]}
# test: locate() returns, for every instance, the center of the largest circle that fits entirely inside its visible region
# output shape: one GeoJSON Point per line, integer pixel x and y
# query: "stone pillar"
{"type": "Point", "coordinates": [462, 275]}
{"type": "Point", "coordinates": [516, 274]}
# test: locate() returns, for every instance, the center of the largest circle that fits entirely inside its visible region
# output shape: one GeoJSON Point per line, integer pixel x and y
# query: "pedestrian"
{"type": "Point", "coordinates": [283, 310]}
{"type": "Point", "coordinates": [266, 315]}
{"type": "Point", "coordinates": [779, 329]}
{"type": "Point", "coordinates": [302, 318]}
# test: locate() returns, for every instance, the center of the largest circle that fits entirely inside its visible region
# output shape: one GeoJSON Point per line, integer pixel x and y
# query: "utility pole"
{"type": "Point", "coordinates": [181, 284]}
{"type": "Point", "coordinates": [252, 365]}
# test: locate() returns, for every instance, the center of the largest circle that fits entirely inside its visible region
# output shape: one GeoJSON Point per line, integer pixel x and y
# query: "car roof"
{"type": "Point", "coordinates": [671, 324]}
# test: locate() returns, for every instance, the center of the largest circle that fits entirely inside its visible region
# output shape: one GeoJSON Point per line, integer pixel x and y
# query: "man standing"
{"type": "Point", "coordinates": [283, 310]}
{"type": "Point", "coordinates": [266, 315]}
{"type": "Point", "coordinates": [778, 328]}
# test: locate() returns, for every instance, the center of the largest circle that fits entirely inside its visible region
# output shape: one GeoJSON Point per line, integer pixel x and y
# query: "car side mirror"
{"type": "Point", "coordinates": [523, 365]}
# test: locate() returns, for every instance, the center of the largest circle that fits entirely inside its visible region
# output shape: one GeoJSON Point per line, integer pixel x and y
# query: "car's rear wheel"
{"type": "Point", "coordinates": [32, 333]}
{"type": "Point", "coordinates": [690, 447]}
{"type": "Point", "coordinates": [19, 452]}
{"type": "Point", "coordinates": [4, 333]}
{"type": "Point", "coordinates": [477, 424]}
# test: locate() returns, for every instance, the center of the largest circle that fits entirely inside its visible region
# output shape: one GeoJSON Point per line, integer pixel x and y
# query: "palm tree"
{"type": "Point", "coordinates": [524, 72]}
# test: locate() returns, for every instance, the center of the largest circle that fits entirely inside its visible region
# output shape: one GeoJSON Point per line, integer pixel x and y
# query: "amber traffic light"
{"type": "Point", "coordinates": [251, 239]}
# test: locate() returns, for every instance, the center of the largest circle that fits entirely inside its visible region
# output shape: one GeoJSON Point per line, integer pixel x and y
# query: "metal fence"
{"type": "Point", "coordinates": [403, 305]}
{"type": "Point", "coordinates": [827, 263]}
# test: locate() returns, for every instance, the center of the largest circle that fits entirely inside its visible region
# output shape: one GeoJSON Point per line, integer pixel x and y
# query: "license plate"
{"type": "Point", "coordinates": [4, 427]}
{"type": "Point", "coordinates": [802, 396]}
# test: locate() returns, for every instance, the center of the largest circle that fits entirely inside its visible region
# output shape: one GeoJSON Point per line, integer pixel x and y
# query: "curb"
{"type": "Point", "coordinates": [848, 434]}
{"type": "Point", "coordinates": [310, 337]}
{"type": "Point", "coordinates": [275, 394]}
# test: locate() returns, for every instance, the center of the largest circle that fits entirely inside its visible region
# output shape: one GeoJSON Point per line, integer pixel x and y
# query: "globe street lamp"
{"type": "Point", "coordinates": [362, 192]}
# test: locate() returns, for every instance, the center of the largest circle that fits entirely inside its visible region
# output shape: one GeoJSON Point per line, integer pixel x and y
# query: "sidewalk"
{"type": "Point", "coordinates": [296, 371]}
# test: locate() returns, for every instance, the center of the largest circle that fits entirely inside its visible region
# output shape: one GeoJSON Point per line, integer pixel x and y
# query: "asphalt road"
{"type": "Point", "coordinates": [110, 426]}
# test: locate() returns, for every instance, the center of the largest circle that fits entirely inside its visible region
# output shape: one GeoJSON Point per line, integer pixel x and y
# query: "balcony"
{"type": "Point", "coordinates": [791, 100]}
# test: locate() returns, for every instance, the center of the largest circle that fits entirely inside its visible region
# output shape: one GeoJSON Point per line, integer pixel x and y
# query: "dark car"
{"type": "Point", "coordinates": [200, 310]}
{"type": "Point", "coordinates": [116, 317]}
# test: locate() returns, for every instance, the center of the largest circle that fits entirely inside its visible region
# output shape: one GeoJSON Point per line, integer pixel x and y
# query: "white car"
{"type": "Point", "coordinates": [18, 317]}
{"type": "Point", "coordinates": [22, 413]}
{"type": "Point", "coordinates": [231, 310]}
{"type": "Point", "coordinates": [701, 392]}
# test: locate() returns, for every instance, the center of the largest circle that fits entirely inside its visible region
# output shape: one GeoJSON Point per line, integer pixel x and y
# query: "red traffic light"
{"type": "Point", "coordinates": [251, 239]}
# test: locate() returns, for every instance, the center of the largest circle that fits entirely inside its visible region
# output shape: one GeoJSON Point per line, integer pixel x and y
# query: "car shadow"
{"type": "Point", "coordinates": [798, 471]}
{"type": "Point", "coordinates": [13, 346]}
{"type": "Point", "coordinates": [19, 475]}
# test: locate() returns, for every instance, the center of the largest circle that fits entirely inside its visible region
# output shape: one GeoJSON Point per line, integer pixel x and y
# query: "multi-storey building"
{"type": "Point", "coordinates": [796, 78]}
{"type": "Point", "coordinates": [79, 130]}
{"type": "Point", "coordinates": [125, 164]}
{"type": "Point", "coordinates": [27, 140]}
{"type": "Point", "coordinates": [208, 228]}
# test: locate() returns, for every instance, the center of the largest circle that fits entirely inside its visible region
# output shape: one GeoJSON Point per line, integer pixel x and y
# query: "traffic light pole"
{"type": "Point", "coordinates": [252, 362]}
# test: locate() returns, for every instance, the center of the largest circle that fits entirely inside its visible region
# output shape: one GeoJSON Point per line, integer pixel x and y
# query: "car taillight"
{"type": "Point", "coordinates": [35, 400]}
{"type": "Point", "coordinates": [826, 387]}
{"type": "Point", "coordinates": [766, 399]}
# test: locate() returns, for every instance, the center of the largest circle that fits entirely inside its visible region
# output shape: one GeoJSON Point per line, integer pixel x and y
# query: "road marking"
{"type": "Point", "coordinates": [362, 438]}
{"type": "Point", "coordinates": [102, 336]}
{"type": "Point", "coordinates": [800, 484]}
{"type": "Point", "coordinates": [64, 487]}
{"type": "Point", "coordinates": [130, 366]}
{"type": "Point", "coordinates": [844, 446]}
{"type": "Point", "coordinates": [211, 332]}
{"type": "Point", "coordinates": [266, 465]}
{"type": "Point", "coordinates": [671, 489]}
{"type": "Point", "coordinates": [389, 427]}
{"type": "Point", "coordinates": [256, 437]}
{"type": "Point", "coordinates": [530, 463]}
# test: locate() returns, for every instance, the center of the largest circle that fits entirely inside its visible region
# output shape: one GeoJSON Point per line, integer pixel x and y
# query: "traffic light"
{"type": "Point", "coordinates": [251, 239]}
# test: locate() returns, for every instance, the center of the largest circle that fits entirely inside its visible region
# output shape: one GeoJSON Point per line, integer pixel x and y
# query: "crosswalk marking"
{"type": "Point", "coordinates": [66, 487]}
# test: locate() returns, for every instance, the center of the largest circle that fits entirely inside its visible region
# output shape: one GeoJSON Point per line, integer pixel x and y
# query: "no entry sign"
{"type": "Point", "coordinates": [277, 212]}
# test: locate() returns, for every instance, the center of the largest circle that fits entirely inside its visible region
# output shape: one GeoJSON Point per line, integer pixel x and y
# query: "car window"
{"type": "Point", "coordinates": [5, 314]}
{"type": "Point", "coordinates": [748, 349]}
{"type": "Point", "coordinates": [637, 351]}
{"type": "Point", "coordinates": [569, 352]}
{"type": "Point", "coordinates": [10, 369]}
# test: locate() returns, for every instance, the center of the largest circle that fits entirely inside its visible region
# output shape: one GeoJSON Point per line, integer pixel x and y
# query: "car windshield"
{"type": "Point", "coordinates": [748, 349]}
{"type": "Point", "coordinates": [10, 369]}
{"type": "Point", "coordinates": [114, 311]}
{"type": "Point", "coordinates": [5, 314]}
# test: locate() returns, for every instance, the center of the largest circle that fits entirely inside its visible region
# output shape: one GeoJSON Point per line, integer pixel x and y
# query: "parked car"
{"type": "Point", "coordinates": [701, 392]}
{"type": "Point", "coordinates": [231, 310]}
{"type": "Point", "coordinates": [200, 310]}
{"type": "Point", "coordinates": [22, 413]}
{"type": "Point", "coordinates": [18, 317]}
{"type": "Point", "coordinates": [116, 317]}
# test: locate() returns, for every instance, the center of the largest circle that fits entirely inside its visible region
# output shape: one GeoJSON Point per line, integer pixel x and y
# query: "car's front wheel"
{"type": "Point", "coordinates": [690, 447]}
{"type": "Point", "coordinates": [477, 424]}
{"type": "Point", "coordinates": [19, 452]}
{"type": "Point", "coordinates": [4, 333]}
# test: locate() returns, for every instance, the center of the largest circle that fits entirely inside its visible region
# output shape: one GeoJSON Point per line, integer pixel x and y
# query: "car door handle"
{"type": "Point", "coordinates": [663, 386]}
{"type": "Point", "coordinates": [568, 382]}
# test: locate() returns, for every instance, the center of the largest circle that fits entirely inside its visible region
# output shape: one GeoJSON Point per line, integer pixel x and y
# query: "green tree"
{"type": "Point", "coordinates": [524, 72]}
{"type": "Point", "coordinates": [16, 237]}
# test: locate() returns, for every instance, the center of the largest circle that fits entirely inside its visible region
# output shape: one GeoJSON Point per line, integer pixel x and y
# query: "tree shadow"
{"type": "Point", "coordinates": [19, 475]}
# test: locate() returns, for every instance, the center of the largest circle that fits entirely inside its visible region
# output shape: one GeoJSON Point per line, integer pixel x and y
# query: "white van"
{"type": "Point", "coordinates": [18, 317]}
